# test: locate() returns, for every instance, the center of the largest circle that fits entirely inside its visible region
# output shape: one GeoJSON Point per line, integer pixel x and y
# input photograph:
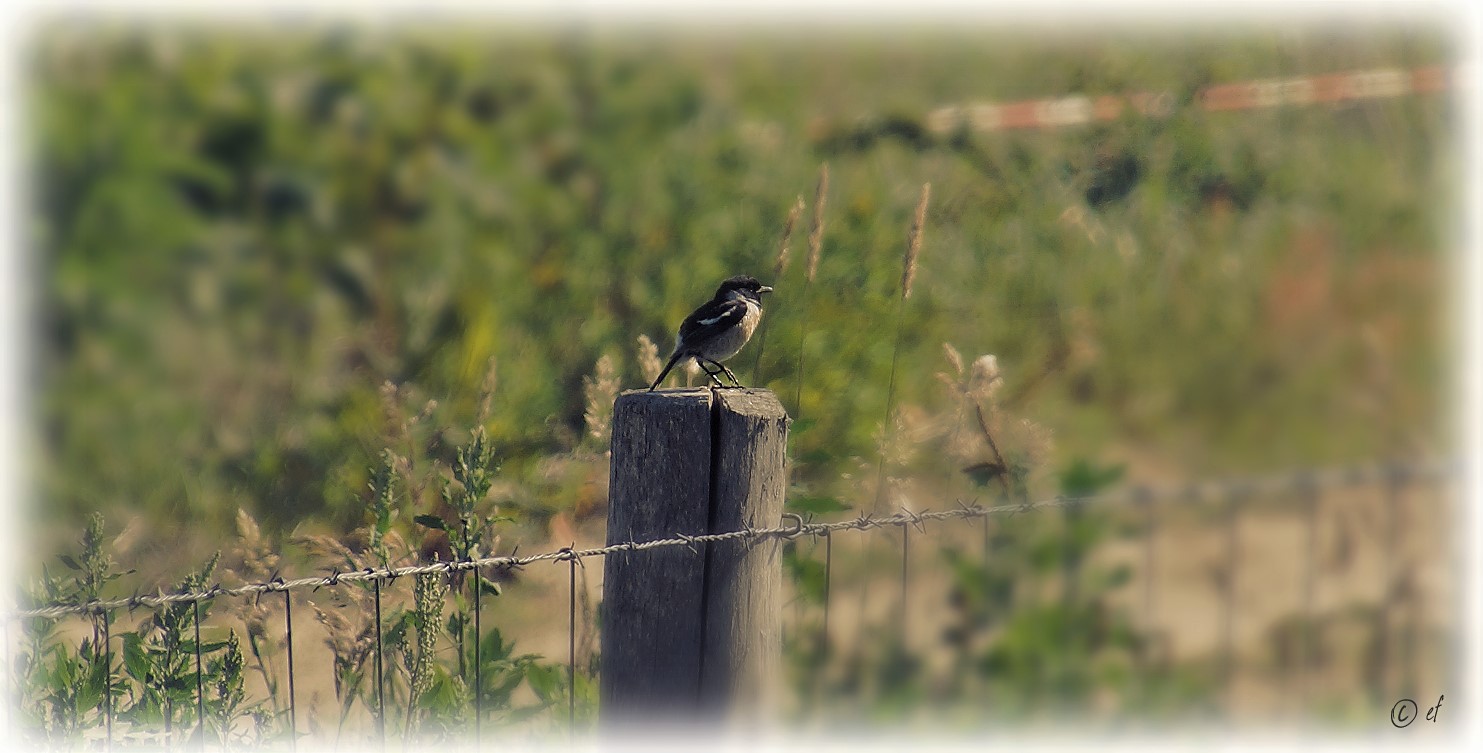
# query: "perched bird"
{"type": "Point", "coordinates": [719, 328]}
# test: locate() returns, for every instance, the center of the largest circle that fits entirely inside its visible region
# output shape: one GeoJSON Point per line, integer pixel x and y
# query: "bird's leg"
{"type": "Point", "coordinates": [701, 362]}
{"type": "Point", "coordinates": [723, 368]}
{"type": "Point", "coordinates": [734, 380]}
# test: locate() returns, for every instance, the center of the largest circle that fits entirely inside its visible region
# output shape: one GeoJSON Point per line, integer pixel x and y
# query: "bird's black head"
{"type": "Point", "coordinates": [746, 285]}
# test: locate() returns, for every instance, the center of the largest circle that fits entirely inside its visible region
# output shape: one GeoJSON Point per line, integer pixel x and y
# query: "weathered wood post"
{"type": "Point", "coordinates": [691, 634]}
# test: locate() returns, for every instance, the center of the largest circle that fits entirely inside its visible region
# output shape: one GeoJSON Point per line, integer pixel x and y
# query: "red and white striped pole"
{"type": "Point", "coordinates": [1334, 88]}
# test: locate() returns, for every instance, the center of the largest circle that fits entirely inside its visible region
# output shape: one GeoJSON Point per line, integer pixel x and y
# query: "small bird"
{"type": "Point", "coordinates": [719, 328]}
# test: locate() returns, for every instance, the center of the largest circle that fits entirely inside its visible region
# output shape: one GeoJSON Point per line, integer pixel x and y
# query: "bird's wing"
{"type": "Point", "coordinates": [711, 319]}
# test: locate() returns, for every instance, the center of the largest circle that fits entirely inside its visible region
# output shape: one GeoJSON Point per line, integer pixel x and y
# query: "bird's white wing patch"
{"type": "Point", "coordinates": [712, 320]}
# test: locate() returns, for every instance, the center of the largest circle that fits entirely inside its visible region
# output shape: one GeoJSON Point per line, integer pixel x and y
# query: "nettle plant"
{"type": "Point", "coordinates": [144, 679]}
{"type": "Point", "coordinates": [160, 672]}
{"type": "Point", "coordinates": [60, 689]}
{"type": "Point", "coordinates": [422, 694]}
{"type": "Point", "coordinates": [148, 676]}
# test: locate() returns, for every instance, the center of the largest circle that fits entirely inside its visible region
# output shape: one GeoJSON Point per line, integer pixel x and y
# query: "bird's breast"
{"type": "Point", "coordinates": [730, 343]}
{"type": "Point", "coordinates": [750, 320]}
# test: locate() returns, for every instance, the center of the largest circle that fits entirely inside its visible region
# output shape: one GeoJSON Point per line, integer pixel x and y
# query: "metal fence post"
{"type": "Point", "coordinates": [293, 709]}
{"type": "Point", "coordinates": [693, 631]}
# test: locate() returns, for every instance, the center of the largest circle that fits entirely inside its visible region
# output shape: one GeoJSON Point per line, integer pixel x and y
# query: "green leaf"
{"type": "Point", "coordinates": [350, 679]}
{"type": "Point", "coordinates": [504, 686]}
{"type": "Point", "coordinates": [66, 670]}
{"type": "Point", "coordinates": [1117, 577]}
{"type": "Point", "coordinates": [807, 575]}
{"type": "Point", "coordinates": [493, 646]}
{"type": "Point", "coordinates": [1045, 554]}
{"type": "Point", "coordinates": [489, 587]}
{"type": "Point", "coordinates": [1084, 477]}
{"type": "Point", "coordinates": [91, 692]}
{"type": "Point", "coordinates": [120, 574]}
{"type": "Point", "coordinates": [816, 456]}
{"type": "Point", "coordinates": [189, 646]}
{"type": "Point", "coordinates": [545, 680]}
{"type": "Point", "coordinates": [443, 694]}
{"type": "Point", "coordinates": [431, 521]}
{"type": "Point", "coordinates": [69, 562]}
{"type": "Point", "coordinates": [135, 660]}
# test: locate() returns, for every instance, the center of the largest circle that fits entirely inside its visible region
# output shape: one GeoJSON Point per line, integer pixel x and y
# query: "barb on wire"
{"type": "Point", "coordinates": [794, 533]}
{"type": "Point", "coordinates": [1228, 489]}
{"type": "Point", "coordinates": [912, 519]}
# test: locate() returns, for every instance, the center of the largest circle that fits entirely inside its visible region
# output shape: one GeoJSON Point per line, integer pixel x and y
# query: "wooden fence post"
{"type": "Point", "coordinates": [693, 633]}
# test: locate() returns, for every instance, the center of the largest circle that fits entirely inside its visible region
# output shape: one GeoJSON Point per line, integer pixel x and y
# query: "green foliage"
{"type": "Point", "coordinates": [152, 672]}
{"type": "Point", "coordinates": [1084, 479]}
{"type": "Point", "coordinates": [382, 505]}
{"type": "Point", "coordinates": [228, 705]}
{"type": "Point", "coordinates": [1033, 632]}
{"type": "Point", "coordinates": [148, 676]}
{"type": "Point", "coordinates": [159, 658]}
{"type": "Point", "coordinates": [242, 237]}
{"type": "Point", "coordinates": [69, 689]}
{"type": "Point", "coordinates": [814, 505]}
{"type": "Point", "coordinates": [1054, 655]}
{"type": "Point", "coordinates": [427, 698]}
{"type": "Point", "coordinates": [426, 617]}
{"type": "Point", "coordinates": [473, 470]}
{"type": "Point", "coordinates": [504, 671]}
{"type": "Point", "coordinates": [806, 573]}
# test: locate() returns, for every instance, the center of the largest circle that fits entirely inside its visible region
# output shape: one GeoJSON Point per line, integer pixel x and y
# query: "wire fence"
{"type": "Point", "coordinates": [1230, 494]}
{"type": "Point", "coordinates": [1317, 480]}
{"type": "Point", "coordinates": [1231, 538]}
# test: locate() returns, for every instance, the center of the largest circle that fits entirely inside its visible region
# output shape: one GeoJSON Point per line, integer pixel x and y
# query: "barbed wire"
{"type": "Point", "coordinates": [1312, 480]}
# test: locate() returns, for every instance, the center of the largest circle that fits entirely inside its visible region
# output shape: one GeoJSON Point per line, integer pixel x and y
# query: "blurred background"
{"type": "Point", "coordinates": [285, 275]}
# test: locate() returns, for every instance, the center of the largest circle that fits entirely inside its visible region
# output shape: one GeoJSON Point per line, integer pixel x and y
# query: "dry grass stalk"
{"type": "Point", "coordinates": [321, 547]}
{"type": "Point", "coordinates": [259, 561]}
{"type": "Point", "coordinates": [601, 389]}
{"type": "Point", "coordinates": [908, 274]}
{"type": "Point", "coordinates": [815, 250]}
{"type": "Point", "coordinates": [974, 389]}
{"type": "Point", "coordinates": [788, 225]}
{"type": "Point", "coordinates": [914, 242]}
{"type": "Point", "coordinates": [648, 356]}
{"type": "Point", "coordinates": [350, 643]}
{"type": "Point", "coordinates": [816, 232]}
{"type": "Point", "coordinates": [777, 275]}
{"type": "Point", "coordinates": [486, 391]}
{"type": "Point", "coordinates": [399, 428]}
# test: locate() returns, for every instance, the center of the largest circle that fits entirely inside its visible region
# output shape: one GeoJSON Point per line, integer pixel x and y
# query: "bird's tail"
{"type": "Point", "coordinates": [673, 359]}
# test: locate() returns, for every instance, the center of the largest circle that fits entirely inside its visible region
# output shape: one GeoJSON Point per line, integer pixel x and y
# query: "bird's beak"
{"type": "Point", "coordinates": [764, 289]}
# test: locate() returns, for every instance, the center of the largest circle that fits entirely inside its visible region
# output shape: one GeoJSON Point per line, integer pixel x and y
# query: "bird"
{"type": "Point", "coordinates": [719, 328]}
